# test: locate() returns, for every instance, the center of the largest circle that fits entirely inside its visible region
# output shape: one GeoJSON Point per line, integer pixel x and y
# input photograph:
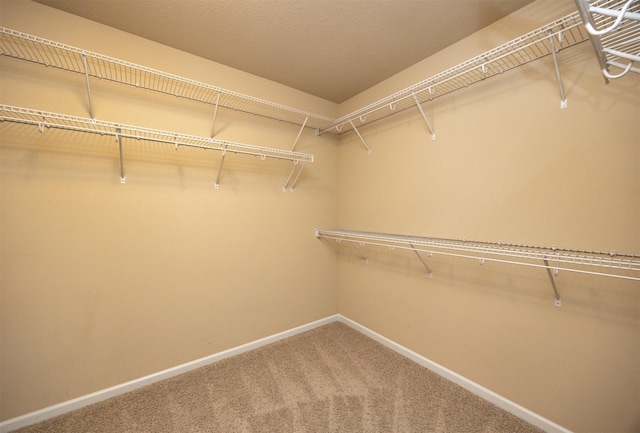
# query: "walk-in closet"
{"type": "Point", "coordinates": [470, 220]}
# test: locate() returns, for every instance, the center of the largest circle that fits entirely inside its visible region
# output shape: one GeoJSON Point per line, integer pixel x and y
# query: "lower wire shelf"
{"type": "Point", "coordinates": [553, 259]}
{"type": "Point", "coordinates": [44, 119]}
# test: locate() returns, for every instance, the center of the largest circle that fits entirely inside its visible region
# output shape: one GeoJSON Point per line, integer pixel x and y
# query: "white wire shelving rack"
{"type": "Point", "coordinates": [614, 30]}
{"type": "Point", "coordinates": [546, 40]}
{"type": "Point", "coordinates": [553, 259]}
{"type": "Point", "coordinates": [44, 120]}
{"type": "Point", "coordinates": [90, 65]}
{"type": "Point", "coordinates": [49, 53]}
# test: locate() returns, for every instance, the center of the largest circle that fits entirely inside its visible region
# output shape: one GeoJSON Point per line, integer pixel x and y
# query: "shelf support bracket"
{"type": "Point", "coordinates": [224, 153]}
{"type": "Point", "coordinates": [365, 258]}
{"type": "Point", "coordinates": [86, 76]}
{"type": "Point", "coordinates": [361, 138]}
{"type": "Point", "coordinates": [215, 115]}
{"type": "Point", "coordinates": [300, 133]}
{"type": "Point", "coordinates": [119, 140]}
{"type": "Point", "coordinates": [422, 260]}
{"type": "Point", "coordinates": [563, 101]}
{"type": "Point", "coordinates": [558, 301]}
{"type": "Point", "coordinates": [424, 116]}
{"type": "Point", "coordinates": [295, 179]}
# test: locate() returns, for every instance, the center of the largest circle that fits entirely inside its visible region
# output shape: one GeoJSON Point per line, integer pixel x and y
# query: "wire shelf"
{"type": "Point", "coordinates": [49, 53]}
{"type": "Point", "coordinates": [534, 45]}
{"type": "Point", "coordinates": [610, 264]}
{"type": "Point", "coordinates": [614, 30]}
{"type": "Point", "coordinates": [44, 119]}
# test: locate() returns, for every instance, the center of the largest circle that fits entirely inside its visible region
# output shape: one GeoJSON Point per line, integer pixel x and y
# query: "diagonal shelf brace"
{"type": "Point", "coordinates": [558, 301]}
{"type": "Point", "coordinates": [295, 180]}
{"type": "Point", "coordinates": [359, 135]}
{"type": "Point", "coordinates": [554, 52]}
{"type": "Point", "coordinates": [215, 115]}
{"type": "Point", "coordinates": [119, 140]}
{"type": "Point", "coordinates": [422, 260]}
{"type": "Point", "coordinates": [300, 133]}
{"type": "Point", "coordinates": [86, 76]}
{"type": "Point", "coordinates": [224, 154]}
{"type": "Point", "coordinates": [365, 258]}
{"type": "Point", "coordinates": [424, 116]}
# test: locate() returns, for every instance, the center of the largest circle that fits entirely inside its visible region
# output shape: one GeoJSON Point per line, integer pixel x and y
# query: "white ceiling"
{"type": "Point", "coordinates": [333, 49]}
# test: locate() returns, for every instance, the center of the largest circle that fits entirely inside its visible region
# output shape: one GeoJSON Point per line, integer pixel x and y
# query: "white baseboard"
{"type": "Point", "coordinates": [503, 403]}
{"type": "Point", "coordinates": [85, 400]}
{"type": "Point", "coordinates": [77, 403]}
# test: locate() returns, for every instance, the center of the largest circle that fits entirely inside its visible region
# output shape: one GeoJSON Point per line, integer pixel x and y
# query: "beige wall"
{"type": "Point", "coordinates": [507, 165]}
{"type": "Point", "coordinates": [104, 283]}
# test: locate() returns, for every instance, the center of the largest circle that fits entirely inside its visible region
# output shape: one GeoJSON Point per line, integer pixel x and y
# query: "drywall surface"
{"type": "Point", "coordinates": [103, 283]}
{"type": "Point", "coordinates": [508, 164]}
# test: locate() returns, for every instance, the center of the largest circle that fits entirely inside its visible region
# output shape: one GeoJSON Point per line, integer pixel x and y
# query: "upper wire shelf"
{"type": "Point", "coordinates": [610, 264]}
{"type": "Point", "coordinates": [536, 44]}
{"type": "Point", "coordinates": [614, 30]}
{"type": "Point", "coordinates": [49, 53]}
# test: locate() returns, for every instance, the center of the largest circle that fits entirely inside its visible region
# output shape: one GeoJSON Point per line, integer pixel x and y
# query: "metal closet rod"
{"type": "Point", "coordinates": [42, 51]}
{"type": "Point", "coordinates": [44, 119]}
{"type": "Point", "coordinates": [552, 258]}
{"type": "Point", "coordinates": [517, 52]}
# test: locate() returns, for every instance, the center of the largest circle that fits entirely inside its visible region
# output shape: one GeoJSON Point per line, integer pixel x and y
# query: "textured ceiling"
{"type": "Point", "coordinates": [333, 49]}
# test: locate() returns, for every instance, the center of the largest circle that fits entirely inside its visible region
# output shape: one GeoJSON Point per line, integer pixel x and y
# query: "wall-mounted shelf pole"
{"type": "Point", "coordinates": [424, 116]}
{"type": "Point", "coordinates": [611, 264]}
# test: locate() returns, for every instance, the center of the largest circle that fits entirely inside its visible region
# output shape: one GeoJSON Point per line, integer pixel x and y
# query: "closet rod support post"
{"type": "Point", "coordinates": [558, 301]}
{"type": "Point", "coordinates": [360, 136]}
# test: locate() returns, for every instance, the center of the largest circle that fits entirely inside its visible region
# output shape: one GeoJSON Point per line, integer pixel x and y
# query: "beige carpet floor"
{"type": "Point", "coordinates": [330, 379]}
